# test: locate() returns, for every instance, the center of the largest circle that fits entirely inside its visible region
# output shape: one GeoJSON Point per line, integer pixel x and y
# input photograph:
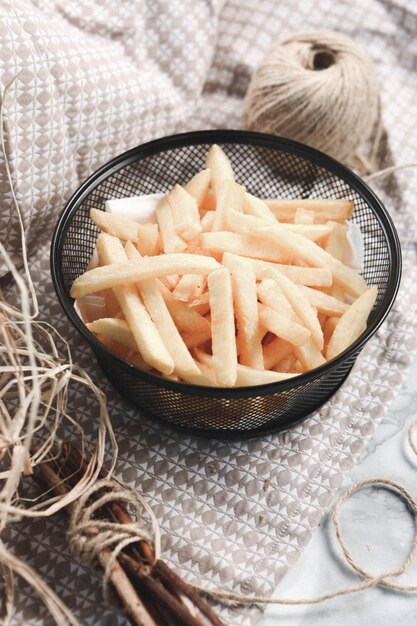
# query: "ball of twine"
{"type": "Point", "coordinates": [319, 88]}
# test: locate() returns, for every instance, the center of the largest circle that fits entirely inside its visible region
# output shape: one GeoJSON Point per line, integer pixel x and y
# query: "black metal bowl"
{"type": "Point", "coordinates": [269, 167]}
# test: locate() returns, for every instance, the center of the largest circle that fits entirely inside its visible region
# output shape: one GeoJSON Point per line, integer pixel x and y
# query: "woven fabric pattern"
{"type": "Point", "coordinates": [100, 77]}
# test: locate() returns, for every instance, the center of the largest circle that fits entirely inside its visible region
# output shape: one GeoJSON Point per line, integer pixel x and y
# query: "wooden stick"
{"type": "Point", "coordinates": [176, 609]}
{"type": "Point", "coordinates": [164, 572]}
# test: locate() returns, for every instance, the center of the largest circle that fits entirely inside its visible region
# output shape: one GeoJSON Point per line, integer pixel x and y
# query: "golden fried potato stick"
{"type": "Point", "coordinates": [147, 338]}
{"type": "Point", "coordinates": [157, 309]}
{"type": "Point", "coordinates": [185, 213]}
{"type": "Point", "coordinates": [125, 272]}
{"type": "Point", "coordinates": [198, 186]}
{"type": "Point", "coordinates": [219, 166]}
{"type": "Point", "coordinates": [324, 209]}
{"type": "Point", "coordinates": [352, 323]}
{"type": "Point", "coordinates": [245, 303]}
{"type": "Point", "coordinates": [223, 327]}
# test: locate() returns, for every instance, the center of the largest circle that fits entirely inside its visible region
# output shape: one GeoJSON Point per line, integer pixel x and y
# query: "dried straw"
{"type": "Point", "coordinates": [36, 374]}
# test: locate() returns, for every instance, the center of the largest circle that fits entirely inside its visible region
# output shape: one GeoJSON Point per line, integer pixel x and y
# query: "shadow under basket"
{"type": "Point", "coordinates": [268, 167]}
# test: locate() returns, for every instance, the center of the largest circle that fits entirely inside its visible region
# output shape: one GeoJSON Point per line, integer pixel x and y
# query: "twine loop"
{"type": "Point", "coordinates": [369, 580]}
{"type": "Point", "coordinates": [380, 580]}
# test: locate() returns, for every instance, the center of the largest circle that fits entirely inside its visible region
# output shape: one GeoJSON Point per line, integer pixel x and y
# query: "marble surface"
{"type": "Point", "coordinates": [379, 532]}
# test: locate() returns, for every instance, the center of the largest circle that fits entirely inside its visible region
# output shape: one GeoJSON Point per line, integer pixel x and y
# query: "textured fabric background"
{"type": "Point", "coordinates": [100, 77]}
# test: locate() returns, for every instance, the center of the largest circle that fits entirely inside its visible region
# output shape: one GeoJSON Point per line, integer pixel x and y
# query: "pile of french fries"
{"type": "Point", "coordinates": [225, 289]}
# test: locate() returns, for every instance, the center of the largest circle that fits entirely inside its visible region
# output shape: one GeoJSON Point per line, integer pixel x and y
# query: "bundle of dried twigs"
{"type": "Point", "coordinates": [103, 530]}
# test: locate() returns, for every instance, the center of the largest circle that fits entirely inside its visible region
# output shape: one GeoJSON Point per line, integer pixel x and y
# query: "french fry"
{"type": "Point", "coordinates": [135, 359]}
{"type": "Point", "coordinates": [207, 221]}
{"type": "Point", "coordinates": [185, 213]}
{"type": "Point", "coordinates": [257, 207]}
{"type": "Point", "coordinates": [328, 328]}
{"type": "Point", "coordinates": [93, 262]}
{"type": "Point", "coordinates": [323, 302]}
{"type": "Point", "coordinates": [335, 245]}
{"type": "Point", "coordinates": [275, 351]}
{"type": "Point", "coordinates": [248, 376]}
{"type": "Point", "coordinates": [271, 294]}
{"type": "Point", "coordinates": [322, 317]}
{"type": "Point", "coordinates": [118, 330]}
{"type": "Point", "coordinates": [115, 225]}
{"type": "Point", "coordinates": [157, 309]}
{"type": "Point", "coordinates": [147, 338]}
{"type": "Point", "coordinates": [114, 329]}
{"type": "Point", "coordinates": [148, 239]}
{"type": "Point", "coordinates": [206, 378]}
{"type": "Point", "coordinates": [299, 303]}
{"type": "Point", "coordinates": [184, 317]}
{"type": "Point", "coordinates": [243, 245]}
{"type": "Point", "coordinates": [229, 199]}
{"type": "Point", "coordinates": [245, 224]}
{"type": "Point", "coordinates": [245, 302]}
{"type": "Point", "coordinates": [171, 377]}
{"type": "Point", "coordinates": [201, 304]}
{"type": "Point", "coordinates": [126, 272]}
{"type": "Point", "coordinates": [315, 232]}
{"type": "Point", "coordinates": [190, 287]}
{"type": "Point", "coordinates": [308, 251]}
{"type": "Point", "coordinates": [336, 240]}
{"type": "Point", "coordinates": [170, 282]}
{"type": "Point", "coordinates": [209, 202]}
{"type": "Point", "coordinates": [283, 327]}
{"type": "Point", "coordinates": [223, 327]}
{"type": "Point", "coordinates": [337, 210]}
{"type": "Point", "coordinates": [287, 364]}
{"type": "Point", "coordinates": [198, 186]}
{"type": "Point", "coordinates": [112, 304]}
{"type": "Point", "coordinates": [309, 276]}
{"type": "Point", "coordinates": [219, 166]}
{"type": "Point", "coordinates": [108, 343]}
{"type": "Point", "coordinates": [119, 350]}
{"type": "Point", "coordinates": [309, 355]}
{"type": "Point", "coordinates": [171, 241]}
{"type": "Point", "coordinates": [303, 216]}
{"type": "Point", "coordinates": [196, 339]}
{"type": "Point", "coordinates": [352, 323]}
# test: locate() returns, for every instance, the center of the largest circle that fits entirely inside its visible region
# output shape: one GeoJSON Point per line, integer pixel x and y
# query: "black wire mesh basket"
{"type": "Point", "coordinates": [268, 167]}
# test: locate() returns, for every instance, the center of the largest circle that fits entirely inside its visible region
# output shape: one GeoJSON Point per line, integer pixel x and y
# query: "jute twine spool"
{"type": "Point", "coordinates": [318, 88]}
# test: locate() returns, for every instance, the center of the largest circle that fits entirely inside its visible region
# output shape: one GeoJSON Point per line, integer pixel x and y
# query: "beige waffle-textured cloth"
{"type": "Point", "coordinates": [99, 77]}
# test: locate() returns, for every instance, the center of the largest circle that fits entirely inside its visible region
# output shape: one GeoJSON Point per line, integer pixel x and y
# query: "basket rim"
{"type": "Point", "coordinates": [224, 136]}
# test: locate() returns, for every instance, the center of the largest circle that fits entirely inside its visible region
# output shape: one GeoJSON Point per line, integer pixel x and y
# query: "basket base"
{"type": "Point", "coordinates": [274, 426]}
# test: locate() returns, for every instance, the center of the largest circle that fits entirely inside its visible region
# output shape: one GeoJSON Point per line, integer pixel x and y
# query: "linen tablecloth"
{"type": "Point", "coordinates": [99, 77]}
